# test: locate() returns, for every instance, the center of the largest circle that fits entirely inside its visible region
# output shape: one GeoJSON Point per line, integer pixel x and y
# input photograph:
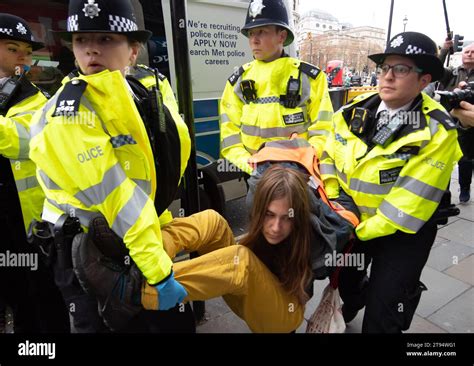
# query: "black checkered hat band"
{"type": "Point", "coordinates": [121, 24]}
{"type": "Point", "coordinates": [116, 23]}
{"type": "Point", "coordinates": [7, 31]}
{"type": "Point", "coordinates": [414, 50]}
{"type": "Point", "coordinates": [72, 23]}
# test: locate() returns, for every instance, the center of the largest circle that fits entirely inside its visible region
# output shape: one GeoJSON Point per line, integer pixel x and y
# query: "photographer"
{"type": "Point", "coordinates": [451, 80]}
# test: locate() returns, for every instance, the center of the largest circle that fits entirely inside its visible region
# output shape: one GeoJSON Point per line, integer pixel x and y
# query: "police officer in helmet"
{"type": "Point", "coordinates": [393, 152]}
{"type": "Point", "coordinates": [28, 288]}
{"type": "Point", "coordinates": [275, 95]}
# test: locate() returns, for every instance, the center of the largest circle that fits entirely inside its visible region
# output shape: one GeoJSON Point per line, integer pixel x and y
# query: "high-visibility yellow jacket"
{"type": "Point", "coordinates": [246, 125]}
{"type": "Point", "coordinates": [14, 145]}
{"type": "Point", "coordinates": [94, 155]}
{"type": "Point", "coordinates": [397, 187]}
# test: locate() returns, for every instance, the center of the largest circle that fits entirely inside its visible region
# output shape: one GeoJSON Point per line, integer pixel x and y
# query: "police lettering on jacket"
{"type": "Point", "coordinates": [90, 154]}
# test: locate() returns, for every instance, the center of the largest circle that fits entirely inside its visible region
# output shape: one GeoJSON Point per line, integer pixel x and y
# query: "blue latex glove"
{"type": "Point", "coordinates": [170, 293]}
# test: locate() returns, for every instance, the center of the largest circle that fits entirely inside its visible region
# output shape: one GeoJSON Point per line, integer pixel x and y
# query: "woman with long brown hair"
{"type": "Point", "coordinates": [279, 232]}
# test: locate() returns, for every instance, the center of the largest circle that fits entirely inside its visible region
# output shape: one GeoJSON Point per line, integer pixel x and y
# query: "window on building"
{"type": "Point", "coordinates": [317, 25]}
{"type": "Point", "coordinates": [330, 27]}
{"type": "Point", "coordinates": [324, 26]}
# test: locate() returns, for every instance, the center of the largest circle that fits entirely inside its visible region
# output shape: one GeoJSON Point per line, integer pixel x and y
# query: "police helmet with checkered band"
{"type": "Point", "coordinates": [16, 28]}
{"type": "Point", "coordinates": [103, 16]}
{"type": "Point", "coordinates": [268, 12]}
{"type": "Point", "coordinates": [416, 46]}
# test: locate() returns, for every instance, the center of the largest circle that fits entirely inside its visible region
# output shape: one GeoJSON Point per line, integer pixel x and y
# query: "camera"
{"type": "Point", "coordinates": [450, 100]}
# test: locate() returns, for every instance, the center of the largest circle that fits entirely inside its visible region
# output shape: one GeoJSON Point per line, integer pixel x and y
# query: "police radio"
{"type": "Point", "coordinates": [388, 132]}
{"type": "Point", "coordinates": [359, 119]}
{"type": "Point", "coordinates": [7, 90]}
{"type": "Point", "coordinates": [292, 97]}
{"type": "Point", "coordinates": [248, 90]}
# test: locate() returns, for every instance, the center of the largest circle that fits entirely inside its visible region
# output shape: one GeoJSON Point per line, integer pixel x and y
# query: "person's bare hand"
{"type": "Point", "coordinates": [465, 114]}
{"type": "Point", "coordinates": [448, 43]}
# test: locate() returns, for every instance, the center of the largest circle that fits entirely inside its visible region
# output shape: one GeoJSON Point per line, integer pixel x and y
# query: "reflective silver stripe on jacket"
{"type": "Point", "coordinates": [23, 140]}
{"type": "Point", "coordinates": [230, 141]}
{"type": "Point", "coordinates": [401, 218]}
{"type": "Point", "coordinates": [26, 183]}
{"type": "Point", "coordinates": [420, 188]}
{"type": "Point", "coordinates": [98, 193]}
{"type": "Point", "coordinates": [224, 118]}
{"type": "Point", "coordinates": [305, 89]}
{"type": "Point", "coordinates": [24, 113]}
{"type": "Point", "coordinates": [36, 128]}
{"type": "Point", "coordinates": [312, 133]}
{"type": "Point", "coordinates": [251, 151]}
{"type": "Point", "coordinates": [367, 187]}
{"type": "Point", "coordinates": [324, 156]}
{"type": "Point", "coordinates": [325, 116]}
{"type": "Point", "coordinates": [130, 213]}
{"type": "Point", "coordinates": [371, 211]}
{"type": "Point", "coordinates": [47, 181]}
{"type": "Point", "coordinates": [328, 169]}
{"type": "Point", "coordinates": [342, 176]}
{"type": "Point", "coordinates": [84, 216]}
{"type": "Point", "coordinates": [145, 185]}
{"type": "Point", "coordinates": [238, 91]}
{"type": "Point", "coordinates": [274, 131]}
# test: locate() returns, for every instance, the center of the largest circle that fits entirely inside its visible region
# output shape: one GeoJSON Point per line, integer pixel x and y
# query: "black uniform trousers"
{"type": "Point", "coordinates": [392, 293]}
{"type": "Point", "coordinates": [35, 301]}
{"type": "Point", "coordinates": [466, 142]}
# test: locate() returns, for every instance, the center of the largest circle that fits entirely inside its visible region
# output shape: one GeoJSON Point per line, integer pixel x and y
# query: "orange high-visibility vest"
{"type": "Point", "coordinates": [298, 150]}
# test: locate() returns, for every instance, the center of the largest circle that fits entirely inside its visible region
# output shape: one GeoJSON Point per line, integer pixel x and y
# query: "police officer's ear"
{"type": "Point", "coordinates": [135, 48]}
{"type": "Point", "coordinates": [282, 33]}
{"type": "Point", "coordinates": [425, 80]}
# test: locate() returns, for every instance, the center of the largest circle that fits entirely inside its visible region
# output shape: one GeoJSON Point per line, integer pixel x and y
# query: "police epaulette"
{"type": "Point", "coordinates": [143, 71]}
{"type": "Point", "coordinates": [161, 76]}
{"type": "Point", "coordinates": [443, 118]}
{"type": "Point", "coordinates": [70, 98]}
{"type": "Point", "coordinates": [235, 76]}
{"type": "Point", "coordinates": [310, 70]}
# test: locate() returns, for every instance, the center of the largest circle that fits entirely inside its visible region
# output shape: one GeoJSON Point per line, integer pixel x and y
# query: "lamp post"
{"type": "Point", "coordinates": [405, 21]}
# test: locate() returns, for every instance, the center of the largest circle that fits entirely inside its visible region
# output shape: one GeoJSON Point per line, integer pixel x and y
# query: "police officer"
{"type": "Point", "coordinates": [275, 95]}
{"type": "Point", "coordinates": [36, 303]}
{"type": "Point", "coordinates": [95, 145]}
{"type": "Point", "coordinates": [393, 152]}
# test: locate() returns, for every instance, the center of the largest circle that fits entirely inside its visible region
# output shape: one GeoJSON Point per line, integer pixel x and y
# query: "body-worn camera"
{"type": "Point", "coordinates": [7, 90]}
{"type": "Point", "coordinates": [359, 120]}
{"type": "Point", "coordinates": [248, 90]}
{"type": "Point", "coordinates": [292, 97]}
{"type": "Point", "coordinates": [450, 100]}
